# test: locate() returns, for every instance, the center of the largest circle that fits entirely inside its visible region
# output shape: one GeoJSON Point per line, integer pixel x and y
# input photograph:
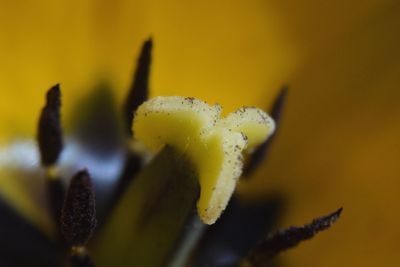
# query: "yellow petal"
{"type": "Point", "coordinates": [26, 198]}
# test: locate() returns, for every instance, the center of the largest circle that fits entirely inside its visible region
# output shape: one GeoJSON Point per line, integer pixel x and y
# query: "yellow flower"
{"type": "Point", "coordinates": [338, 141]}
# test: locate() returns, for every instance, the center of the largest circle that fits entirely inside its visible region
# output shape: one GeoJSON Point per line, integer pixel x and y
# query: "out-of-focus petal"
{"type": "Point", "coordinates": [25, 193]}
{"type": "Point", "coordinates": [339, 145]}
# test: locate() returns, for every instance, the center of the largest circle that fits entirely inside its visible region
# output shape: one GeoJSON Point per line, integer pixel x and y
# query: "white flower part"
{"type": "Point", "coordinates": [214, 145]}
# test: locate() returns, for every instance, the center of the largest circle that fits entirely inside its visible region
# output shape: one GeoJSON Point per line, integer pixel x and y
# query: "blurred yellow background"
{"type": "Point", "coordinates": [339, 142]}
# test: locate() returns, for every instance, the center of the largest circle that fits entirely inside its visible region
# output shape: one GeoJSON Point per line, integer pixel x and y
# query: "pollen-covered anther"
{"type": "Point", "coordinates": [78, 217]}
{"type": "Point", "coordinates": [215, 145]}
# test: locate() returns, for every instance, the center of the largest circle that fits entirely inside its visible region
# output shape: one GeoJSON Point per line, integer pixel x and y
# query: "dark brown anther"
{"type": "Point", "coordinates": [78, 216]}
{"type": "Point", "coordinates": [259, 155]}
{"type": "Point", "coordinates": [50, 132]}
{"type": "Point", "coordinates": [139, 90]}
{"type": "Point", "coordinates": [289, 238]}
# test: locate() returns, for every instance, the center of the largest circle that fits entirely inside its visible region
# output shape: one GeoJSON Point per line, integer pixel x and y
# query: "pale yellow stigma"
{"type": "Point", "coordinates": [213, 144]}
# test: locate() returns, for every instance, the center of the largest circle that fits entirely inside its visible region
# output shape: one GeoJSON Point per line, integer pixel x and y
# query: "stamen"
{"type": "Point", "coordinates": [50, 142]}
{"type": "Point", "coordinates": [78, 217]}
{"type": "Point", "coordinates": [289, 238]}
{"type": "Point", "coordinates": [50, 132]}
{"type": "Point", "coordinates": [139, 90]}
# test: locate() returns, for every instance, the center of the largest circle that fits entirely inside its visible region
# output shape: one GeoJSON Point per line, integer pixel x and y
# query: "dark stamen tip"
{"type": "Point", "coordinates": [148, 45]}
{"type": "Point", "coordinates": [53, 96]}
{"type": "Point", "coordinates": [277, 106]}
{"type": "Point", "coordinates": [325, 222]}
{"type": "Point", "coordinates": [290, 237]}
{"type": "Point", "coordinates": [78, 216]}
{"type": "Point", "coordinates": [49, 128]}
{"type": "Point", "coordinates": [139, 90]}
